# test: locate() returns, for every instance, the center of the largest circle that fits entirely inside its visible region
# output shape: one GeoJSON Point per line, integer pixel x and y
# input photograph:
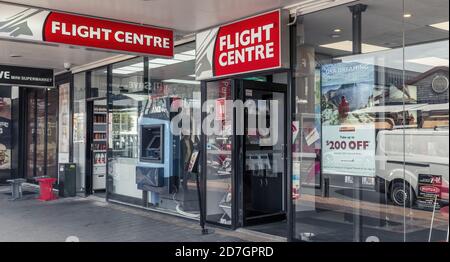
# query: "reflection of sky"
{"type": "Point", "coordinates": [393, 58]}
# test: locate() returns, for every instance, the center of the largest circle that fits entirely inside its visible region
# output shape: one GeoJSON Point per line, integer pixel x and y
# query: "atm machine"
{"type": "Point", "coordinates": [159, 154]}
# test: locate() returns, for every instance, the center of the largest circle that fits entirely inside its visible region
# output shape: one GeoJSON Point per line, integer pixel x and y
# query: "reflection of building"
{"type": "Point", "coordinates": [432, 86]}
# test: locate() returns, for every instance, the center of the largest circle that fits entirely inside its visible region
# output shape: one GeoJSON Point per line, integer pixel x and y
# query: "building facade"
{"type": "Point", "coordinates": [352, 144]}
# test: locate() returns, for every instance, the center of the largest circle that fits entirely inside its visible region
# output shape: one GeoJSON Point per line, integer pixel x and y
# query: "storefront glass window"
{"type": "Point", "coordinates": [218, 136]}
{"type": "Point", "coordinates": [79, 129]}
{"type": "Point", "coordinates": [367, 121]}
{"type": "Point", "coordinates": [52, 132]}
{"type": "Point", "coordinates": [141, 135]}
{"type": "Point", "coordinates": [128, 98]}
{"type": "Point", "coordinates": [425, 115]}
{"type": "Point", "coordinates": [7, 158]}
{"type": "Point", "coordinates": [99, 83]}
{"type": "Point", "coordinates": [174, 95]}
{"type": "Point", "coordinates": [30, 134]}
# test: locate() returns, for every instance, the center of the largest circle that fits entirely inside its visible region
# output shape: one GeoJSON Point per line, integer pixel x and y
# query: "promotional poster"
{"type": "Point", "coordinates": [5, 133]}
{"type": "Point", "coordinates": [64, 122]}
{"type": "Point", "coordinates": [348, 140]}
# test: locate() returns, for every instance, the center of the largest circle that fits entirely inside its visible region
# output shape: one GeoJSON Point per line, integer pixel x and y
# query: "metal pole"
{"type": "Point", "coordinates": [357, 11]}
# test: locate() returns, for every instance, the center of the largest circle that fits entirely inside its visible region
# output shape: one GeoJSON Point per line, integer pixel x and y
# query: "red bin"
{"type": "Point", "coordinates": [46, 189]}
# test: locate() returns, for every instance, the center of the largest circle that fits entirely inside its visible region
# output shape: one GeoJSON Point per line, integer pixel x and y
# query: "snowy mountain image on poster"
{"type": "Point", "coordinates": [346, 87]}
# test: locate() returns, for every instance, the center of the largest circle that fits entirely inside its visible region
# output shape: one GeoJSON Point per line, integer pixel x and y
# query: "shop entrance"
{"type": "Point", "coordinates": [244, 163]}
{"type": "Point", "coordinates": [263, 146]}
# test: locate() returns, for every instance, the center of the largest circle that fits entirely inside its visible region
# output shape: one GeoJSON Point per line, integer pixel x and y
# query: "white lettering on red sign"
{"type": "Point", "coordinates": [248, 45]}
{"type": "Point", "coordinates": [91, 32]}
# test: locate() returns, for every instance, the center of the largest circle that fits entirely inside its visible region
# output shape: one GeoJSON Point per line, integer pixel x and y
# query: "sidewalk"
{"type": "Point", "coordinates": [94, 220]}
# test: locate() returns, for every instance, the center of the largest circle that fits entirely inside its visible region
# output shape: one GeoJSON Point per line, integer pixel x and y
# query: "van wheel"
{"type": "Point", "coordinates": [402, 194]}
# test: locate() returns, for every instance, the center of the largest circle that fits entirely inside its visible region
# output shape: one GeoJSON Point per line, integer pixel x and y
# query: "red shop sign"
{"type": "Point", "coordinates": [39, 25]}
{"type": "Point", "coordinates": [103, 34]}
{"type": "Point", "coordinates": [255, 44]}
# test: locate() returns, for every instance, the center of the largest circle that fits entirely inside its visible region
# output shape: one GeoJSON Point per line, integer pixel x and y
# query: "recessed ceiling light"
{"type": "Point", "coordinates": [190, 52]}
{"type": "Point", "coordinates": [430, 61]}
{"type": "Point", "coordinates": [337, 30]}
{"type": "Point", "coordinates": [335, 35]}
{"type": "Point", "coordinates": [163, 61]}
{"type": "Point", "coordinates": [183, 57]}
{"type": "Point", "coordinates": [122, 72]}
{"type": "Point", "coordinates": [348, 46]}
{"type": "Point", "coordinates": [407, 15]}
{"type": "Point", "coordinates": [443, 25]}
{"type": "Point", "coordinates": [181, 81]}
{"type": "Point", "coordinates": [152, 66]}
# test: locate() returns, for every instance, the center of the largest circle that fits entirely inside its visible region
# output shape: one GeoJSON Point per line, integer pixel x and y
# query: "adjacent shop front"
{"type": "Point", "coordinates": [314, 123]}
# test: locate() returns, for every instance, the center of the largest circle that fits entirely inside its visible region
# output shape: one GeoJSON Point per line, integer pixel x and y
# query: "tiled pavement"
{"type": "Point", "coordinates": [92, 220]}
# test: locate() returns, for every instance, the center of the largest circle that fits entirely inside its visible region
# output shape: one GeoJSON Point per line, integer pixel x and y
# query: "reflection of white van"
{"type": "Point", "coordinates": [404, 154]}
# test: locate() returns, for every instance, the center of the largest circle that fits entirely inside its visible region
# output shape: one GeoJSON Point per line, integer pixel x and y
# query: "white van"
{"type": "Point", "coordinates": [403, 154]}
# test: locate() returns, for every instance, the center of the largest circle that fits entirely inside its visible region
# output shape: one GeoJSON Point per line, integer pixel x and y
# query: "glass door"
{"type": "Point", "coordinates": [264, 170]}
{"type": "Point", "coordinates": [41, 117]}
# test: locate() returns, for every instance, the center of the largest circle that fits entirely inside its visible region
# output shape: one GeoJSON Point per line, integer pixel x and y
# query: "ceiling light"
{"type": "Point", "coordinates": [430, 61]}
{"type": "Point", "coordinates": [152, 66]}
{"type": "Point", "coordinates": [443, 25]}
{"type": "Point", "coordinates": [181, 81]}
{"type": "Point", "coordinates": [184, 58]}
{"type": "Point", "coordinates": [337, 30]}
{"type": "Point", "coordinates": [163, 61]}
{"type": "Point", "coordinates": [407, 15]}
{"type": "Point", "coordinates": [138, 65]}
{"type": "Point", "coordinates": [122, 72]}
{"type": "Point", "coordinates": [190, 52]}
{"type": "Point", "coordinates": [348, 46]}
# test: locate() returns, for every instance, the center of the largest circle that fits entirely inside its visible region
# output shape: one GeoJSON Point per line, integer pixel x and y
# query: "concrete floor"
{"type": "Point", "coordinates": [93, 220]}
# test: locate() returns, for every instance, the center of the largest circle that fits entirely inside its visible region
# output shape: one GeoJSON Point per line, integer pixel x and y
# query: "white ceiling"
{"type": "Point", "coordinates": [182, 15]}
{"type": "Point", "coordinates": [47, 56]}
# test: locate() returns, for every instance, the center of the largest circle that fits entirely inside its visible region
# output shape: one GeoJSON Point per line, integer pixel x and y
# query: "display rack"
{"type": "Point", "coordinates": [100, 141]}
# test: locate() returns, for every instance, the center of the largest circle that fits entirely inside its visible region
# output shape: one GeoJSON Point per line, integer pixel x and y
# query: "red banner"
{"type": "Point", "coordinates": [104, 34]}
